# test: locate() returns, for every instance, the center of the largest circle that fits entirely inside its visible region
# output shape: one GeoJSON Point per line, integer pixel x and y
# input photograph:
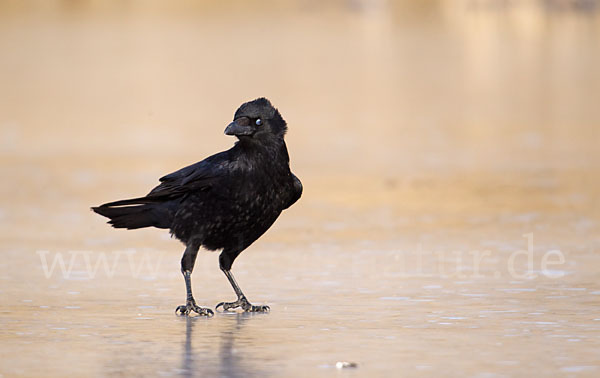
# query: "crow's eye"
{"type": "Point", "coordinates": [258, 122]}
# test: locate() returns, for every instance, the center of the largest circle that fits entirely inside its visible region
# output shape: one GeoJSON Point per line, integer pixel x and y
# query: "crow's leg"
{"type": "Point", "coordinates": [187, 266]}
{"type": "Point", "coordinates": [241, 301]}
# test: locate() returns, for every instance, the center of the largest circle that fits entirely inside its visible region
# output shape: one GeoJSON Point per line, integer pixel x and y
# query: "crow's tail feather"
{"type": "Point", "coordinates": [141, 212]}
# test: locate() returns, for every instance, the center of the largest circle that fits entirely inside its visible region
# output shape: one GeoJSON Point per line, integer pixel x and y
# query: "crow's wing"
{"type": "Point", "coordinates": [199, 176]}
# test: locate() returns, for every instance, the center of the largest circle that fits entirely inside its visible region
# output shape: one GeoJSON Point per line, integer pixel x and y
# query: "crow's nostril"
{"type": "Point", "coordinates": [242, 121]}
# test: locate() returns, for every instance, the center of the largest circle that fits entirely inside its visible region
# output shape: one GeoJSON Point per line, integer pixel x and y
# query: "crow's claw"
{"type": "Point", "coordinates": [191, 306]}
{"type": "Point", "coordinates": [244, 304]}
{"type": "Point", "coordinates": [262, 308]}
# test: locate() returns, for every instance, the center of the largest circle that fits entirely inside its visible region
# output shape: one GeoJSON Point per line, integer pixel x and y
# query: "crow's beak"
{"type": "Point", "coordinates": [240, 126]}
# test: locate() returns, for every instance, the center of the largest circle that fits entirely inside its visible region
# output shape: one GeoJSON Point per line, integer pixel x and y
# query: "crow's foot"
{"type": "Point", "coordinates": [191, 306]}
{"type": "Point", "coordinates": [244, 304]}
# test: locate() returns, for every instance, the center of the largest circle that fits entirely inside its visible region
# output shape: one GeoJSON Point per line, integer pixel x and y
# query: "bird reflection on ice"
{"type": "Point", "coordinates": [231, 359]}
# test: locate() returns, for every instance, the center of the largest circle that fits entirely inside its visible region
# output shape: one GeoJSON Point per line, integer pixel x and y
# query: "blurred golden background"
{"type": "Point", "coordinates": [104, 93]}
{"type": "Point", "coordinates": [447, 124]}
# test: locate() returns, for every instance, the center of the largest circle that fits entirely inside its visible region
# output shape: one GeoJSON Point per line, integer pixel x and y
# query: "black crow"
{"type": "Point", "coordinates": [225, 202]}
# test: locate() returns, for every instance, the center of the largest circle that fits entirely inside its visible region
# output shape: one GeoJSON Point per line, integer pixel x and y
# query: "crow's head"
{"type": "Point", "coordinates": [257, 119]}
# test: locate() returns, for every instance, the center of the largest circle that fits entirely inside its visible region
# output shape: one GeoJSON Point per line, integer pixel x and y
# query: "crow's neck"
{"type": "Point", "coordinates": [272, 149]}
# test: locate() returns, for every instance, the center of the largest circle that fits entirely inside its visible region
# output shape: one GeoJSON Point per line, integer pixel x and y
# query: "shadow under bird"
{"type": "Point", "coordinates": [225, 202]}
